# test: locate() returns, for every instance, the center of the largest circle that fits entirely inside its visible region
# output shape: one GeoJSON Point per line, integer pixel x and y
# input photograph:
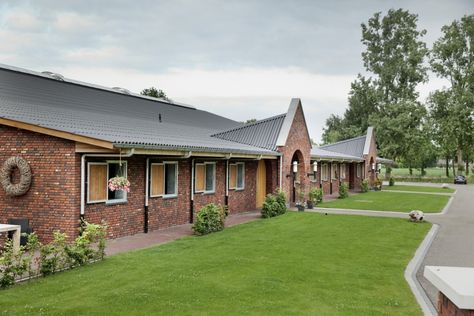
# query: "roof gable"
{"type": "Point", "coordinates": [288, 122]}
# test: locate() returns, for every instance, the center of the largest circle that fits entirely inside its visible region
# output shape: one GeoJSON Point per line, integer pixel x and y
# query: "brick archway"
{"type": "Point", "coordinates": [298, 178]}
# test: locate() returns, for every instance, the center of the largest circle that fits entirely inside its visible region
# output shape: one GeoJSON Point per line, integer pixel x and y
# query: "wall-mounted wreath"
{"type": "Point", "coordinates": [20, 188]}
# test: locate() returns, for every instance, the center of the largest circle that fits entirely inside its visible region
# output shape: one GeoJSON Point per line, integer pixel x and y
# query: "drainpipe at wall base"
{"type": "Point", "coordinates": [83, 175]}
{"type": "Point", "coordinates": [147, 183]}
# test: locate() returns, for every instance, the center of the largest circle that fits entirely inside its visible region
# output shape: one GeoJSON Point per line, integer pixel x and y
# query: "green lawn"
{"type": "Point", "coordinates": [430, 172]}
{"type": "Point", "coordinates": [416, 188]}
{"type": "Point", "coordinates": [296, 264]}
{"type": "Point", "coordinates": [391, 201]}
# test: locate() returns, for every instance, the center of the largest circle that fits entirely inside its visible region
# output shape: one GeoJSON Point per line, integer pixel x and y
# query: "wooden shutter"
{"type": "Point", "coordinates": [199, 172]}
{"type": "Point", "coordinates": [232, 176]}
{"type": "Point", "coordinates": [157, 179]}
{"type": "Point", "coordinates": [97, 182]}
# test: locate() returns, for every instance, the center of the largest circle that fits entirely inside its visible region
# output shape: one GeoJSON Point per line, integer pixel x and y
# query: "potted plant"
{"type": "Point", "coordinates": [315, 196]}
{"type": "Point", "coordinates": [300, 203]}
{"type": "Point", "coordinates": [119, 183]}
{"type": "Point", "coordinates": [377, 185]}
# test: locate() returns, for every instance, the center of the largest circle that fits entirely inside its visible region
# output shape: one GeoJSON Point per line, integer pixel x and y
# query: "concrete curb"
{"type": "Point", "coordinates": [418, 192]}
{"type": "Point", "coordinates": [413, 266]}
{"type": "Point", "coordinates": [343, 211]}
{"type": "Point", "coordinates": [445, 209]}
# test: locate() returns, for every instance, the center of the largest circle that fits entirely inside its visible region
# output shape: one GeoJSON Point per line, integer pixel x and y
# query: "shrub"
{"type": "Point", "coordinates": [53, 256]}
{"type": "Point", "coordinates": [12, 264]}
{"type": "Point", "coordinates": [377, 184]}
{"type": "Point", "coordinates": [365, 186]}
{"type": "Point", "coordinates": [274, 205]}
{"type": "Point", "coordinates": [316, 196]}
{"type": "Point", "coordinates": [391, 182]}
{"type": "Point", "coordinates": [89, 246]}
{"type": "Point", "coordinates": [211, 218]}
{"type": "Point", "coordinates": [343, 190]}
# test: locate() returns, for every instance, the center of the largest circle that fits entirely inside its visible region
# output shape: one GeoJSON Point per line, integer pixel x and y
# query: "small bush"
{"type": "Point", "coordinates": [365, 186]}
{"type": "Point", "coordinates": [211, 218]}
{"type": "Point", "coordinates": [316, 196]}
{"type": "Point", "coordinates": [12, 264]}
{"type": "Point", "coordinates": [89, 246]}
{"type": "Point", "coordinates": [274, 205]}
{"type": "Point", "coordinates": [343, 190]}
{"type": "Point", "coordinates": [391, 182]}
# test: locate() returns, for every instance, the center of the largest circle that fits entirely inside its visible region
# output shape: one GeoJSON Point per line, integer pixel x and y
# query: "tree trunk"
{"type": "Point", "coordinates": [411, 170]}
{"type": "Point", "coordinates": [454, 169]}
{"type": "Point", "coordinates": [467, 168]}
{"type": "Point", "coordinates": [447, 166]}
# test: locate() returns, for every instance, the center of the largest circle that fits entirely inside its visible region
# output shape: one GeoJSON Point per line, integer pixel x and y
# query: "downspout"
{"type": "Point", "coordinates": [147, 189]}
{"type": "Point", "coordinates": [226, 199]}
{"type": "Point", "coordinates": [281, 173]}
{"type": "Point", "coordinates": [83, 175]}
{"type": "Point", "coordinates": [191, 202]}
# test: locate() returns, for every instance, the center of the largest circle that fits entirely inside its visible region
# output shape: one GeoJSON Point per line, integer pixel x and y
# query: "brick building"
{"type": "Point", "coordinates": [76, 136]}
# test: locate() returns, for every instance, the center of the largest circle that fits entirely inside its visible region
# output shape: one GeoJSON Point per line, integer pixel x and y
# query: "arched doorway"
{"type": "Point", "coordinates": [298, 173]}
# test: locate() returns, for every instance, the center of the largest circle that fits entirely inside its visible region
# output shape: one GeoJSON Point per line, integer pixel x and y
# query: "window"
{"type": "Point", "coordinates": [334, 171]}
{"type": "Point", "coordinates": [324, 172]}
{"type": "Point", "coordinates": [359, 170]}
{"type": "Point", "coordinates": [98, 175]}
{"type": "Point", "coordinates": [237, 176]}
{"type": "Point", "coordinates": [205, 177]}
{"type": "Point", "coordinates": [343, 171]}
{"type": "Point", "coordinates": [164, 179]}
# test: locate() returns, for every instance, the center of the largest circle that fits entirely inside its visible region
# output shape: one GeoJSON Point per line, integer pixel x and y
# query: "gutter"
{"type": "Point", "coordinates": [83, 174]}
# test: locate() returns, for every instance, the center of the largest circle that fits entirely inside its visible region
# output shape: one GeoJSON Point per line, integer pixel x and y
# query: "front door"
{"type": "Point", "coordinates": [351, 176]}
{"type": "Point", "coordinates": [261, 183]}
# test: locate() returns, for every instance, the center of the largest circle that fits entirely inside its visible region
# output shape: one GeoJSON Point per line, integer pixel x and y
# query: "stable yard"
{"type": "Point", "coordinates": [418, 188]}
{"type": "Point", "coordinates": [391, 201]}
{"type": "Point", "coordinates": [298, 264]}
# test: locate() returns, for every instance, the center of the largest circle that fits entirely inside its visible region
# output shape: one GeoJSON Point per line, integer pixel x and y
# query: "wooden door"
{"type": "Point", "coordinates": [261, 183]}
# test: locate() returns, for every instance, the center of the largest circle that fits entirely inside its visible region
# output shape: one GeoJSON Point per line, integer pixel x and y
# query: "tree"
{"type": "Point", "coordinates": [452, 57]}
{"type": "Point", "coordinates": [443, 124]}
{"type": "Point", "coordinates": [395, 54]}
{"type": "Point", "coordinates": [250, 121]}
{"type": "Point", "coordinates": [155, 93]}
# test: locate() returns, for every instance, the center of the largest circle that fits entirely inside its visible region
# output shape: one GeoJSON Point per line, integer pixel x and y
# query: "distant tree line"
{"type": "Point", "coordinates": [413, 133]}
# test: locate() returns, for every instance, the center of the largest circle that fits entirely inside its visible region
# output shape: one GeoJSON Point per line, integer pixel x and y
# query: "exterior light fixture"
{"type": "Point", "coordinates": [373, 166]}
{"type": "Point", "coordinates": [315, 166]}
{"type": "Point", "coordinates": [295, 166]}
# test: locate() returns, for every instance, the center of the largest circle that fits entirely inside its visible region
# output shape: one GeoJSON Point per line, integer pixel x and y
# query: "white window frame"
{"type": "Point", "coordinates": [206, 163]}
{"type": "Point", "coordinates": [237, 176]}
{"type": "Point", "coordinates": [125, 199]}
{"type": "Point", "coordinates": [89, 201]}
{"type": "Point", "coordinates": [164, 195]}
{"type": "Point", "coordinates": [342, 170]}
{"type": "Point", "coordinates": [324, 171]}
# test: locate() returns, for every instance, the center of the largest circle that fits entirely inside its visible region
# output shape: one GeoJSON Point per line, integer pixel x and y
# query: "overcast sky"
{"type": "Point", "coordinates": [241, 59]}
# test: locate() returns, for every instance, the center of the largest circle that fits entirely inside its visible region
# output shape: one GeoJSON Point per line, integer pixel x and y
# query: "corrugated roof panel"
{"type": "Point", "coordinates": [263, 133]}
{"type": "Point", "coordinates": [351, 147]}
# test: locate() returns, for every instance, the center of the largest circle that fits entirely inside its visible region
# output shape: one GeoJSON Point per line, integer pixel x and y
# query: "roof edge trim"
{"type": "Point", "coordinates": [57, 133]}
{"type": "Point", "coordinates": [286, 126]}
{"type": "Point", "coordinates": [368, 140]}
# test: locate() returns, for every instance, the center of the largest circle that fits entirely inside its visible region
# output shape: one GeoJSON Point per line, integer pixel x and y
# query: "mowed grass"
{"type": "Point", "coordinates": [295, 264]}
{"type": "Point", "coordinates": [391, 201]}
{"type": "Point", "coordinates": [416, 188]}
{"type": "Point", "coordinates": [430, 172]}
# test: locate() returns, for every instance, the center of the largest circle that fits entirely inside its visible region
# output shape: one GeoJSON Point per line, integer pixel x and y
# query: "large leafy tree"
{"type": "Point", "coordinates": [452, 58]}
{"type": "Point", "coordinates": [395, 54]}
{"type": "Point", "coordinates": [155, 93]}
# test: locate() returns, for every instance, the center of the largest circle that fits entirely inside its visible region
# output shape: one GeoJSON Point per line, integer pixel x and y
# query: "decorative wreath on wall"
{"type": "Point", "coordinates": [20, 188]}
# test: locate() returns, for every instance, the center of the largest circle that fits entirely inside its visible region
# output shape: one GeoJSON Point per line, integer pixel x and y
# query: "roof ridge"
{"type": "Point", "coordinates": [248, 125]}
{"type": "Point", "coordinates": [342, 141]}
{"type": "Point", "coordinates": [92, 86]}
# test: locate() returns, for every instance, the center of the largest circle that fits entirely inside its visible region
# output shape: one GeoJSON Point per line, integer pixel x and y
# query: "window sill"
{"type": "Point", "coordinates": [116, 202]}
{"type": "Point", "coordinates": [166, 197]}
{"type": "Point", "coordinates": [208, 193]}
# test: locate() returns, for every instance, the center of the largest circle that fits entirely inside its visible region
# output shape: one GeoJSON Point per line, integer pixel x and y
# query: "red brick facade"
{"type": "Point", "coordinates": [298, 146]}
{"type": "Point", "coordinates": [52, 202]}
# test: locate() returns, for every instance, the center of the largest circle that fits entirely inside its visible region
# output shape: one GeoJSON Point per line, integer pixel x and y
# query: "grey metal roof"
{"type": "Point", "coordinates": [352, 147]}
{"type": "Point", "coordinates": [125, 120]}
{"type": "Point", "coordinates": [263, 133]}
{"type": "Point", "coordinates": [321, 154]}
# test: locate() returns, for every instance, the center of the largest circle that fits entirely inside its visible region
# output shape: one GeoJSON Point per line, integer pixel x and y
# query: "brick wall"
{"type": "Point", "coordinates": [52, 203]}
{"type": "Point", "coordinates": [245, 200]}
{"type": "Point", "coordinates": [448, 308]}
{"type": "Point", "coordinates": [297, 140]}
{"type": "Point", "coordinates": [371, 176]}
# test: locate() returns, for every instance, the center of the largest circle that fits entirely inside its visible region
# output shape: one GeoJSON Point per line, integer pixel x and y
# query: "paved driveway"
{"type": "Point", "coordinates": [454, 243]}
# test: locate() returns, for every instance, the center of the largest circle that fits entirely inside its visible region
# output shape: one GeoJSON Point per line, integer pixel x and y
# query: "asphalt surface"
{"type": "Point", "coordinates": [454, 243]}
